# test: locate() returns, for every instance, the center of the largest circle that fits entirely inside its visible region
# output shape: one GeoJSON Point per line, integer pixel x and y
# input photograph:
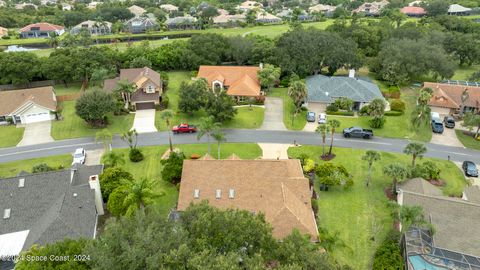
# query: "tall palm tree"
{"type": "Point", "coordinates": [334, 124]}
{"type": "Point", "coordinates": [323, 129]}
{"type": "Point", "coordinates": [219, 136]}
{"type": "Point", "coordinates": [106, 137]}
{"type": "Point", "coordinates": [464, 97]}
{"type": "Point", "coordinates": [416, 150]}
{"type": "Point", "coordinates": [398, 172]}
{"type": "Point", "coordinates": [125, 88]}
{"type": "Point", "coordinates": [421, 113]}
{"type": "Point", "coordinates": [297, 91]}
{"type": "Point", "coordinates": [139, 193]}
{"type": "Point", "coordinates": [206, 127]}
{"type": "Point", "coordinates": [370, 157]}
{"type": "Point", "coordinates": [167, 115]}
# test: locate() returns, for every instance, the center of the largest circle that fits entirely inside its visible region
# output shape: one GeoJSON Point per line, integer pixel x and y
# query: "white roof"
{"type": "Point", "coordinates": [12, 243]}
{"type": "Point", "coordinates": [458, 8]}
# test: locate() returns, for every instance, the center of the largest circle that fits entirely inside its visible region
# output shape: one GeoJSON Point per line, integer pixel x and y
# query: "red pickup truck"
{"type": "Point", "coordinates": [184, 128]}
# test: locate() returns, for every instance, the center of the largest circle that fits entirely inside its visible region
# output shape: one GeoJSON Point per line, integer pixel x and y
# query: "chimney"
{"type": "Point", "coordinates": [72, 172]}
{"type": "Point", "coordinates": [95, 185]}
{"type": "Point", "coordinates": [351, 73]}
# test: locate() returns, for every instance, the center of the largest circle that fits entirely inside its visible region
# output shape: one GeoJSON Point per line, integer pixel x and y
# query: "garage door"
{"type": "Point", "coordinates": [32, 118]}
{"type": "Point", "coordinates": [145, 106]}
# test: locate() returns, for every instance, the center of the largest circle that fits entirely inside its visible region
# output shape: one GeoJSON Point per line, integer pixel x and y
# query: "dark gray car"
{"type": "Point", "coordinates": [470, 169]}
{"type": "Point", "coordinates": [449, 122]}
{"type": "Point", "coordinates": [310, 117]}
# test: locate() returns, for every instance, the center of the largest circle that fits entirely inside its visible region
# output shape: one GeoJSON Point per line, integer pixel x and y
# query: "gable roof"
{"type": "Point", "coordinates": [136, 10]}
{"type": "Point", "coordinates": [47, 27]}
{"type": "Point", "coordinates": [458, 8]}
{"type": "Point", "coordinates": [419, 185]}
{"type": "Point", "coordinates": [241, 80]}
{"type": "Point", "coordinates": [134, 75]}
{"type": "Point", "coordinates": [91, 24]}
{"type": "Point", "coordinates": [325, 89]}
{"type": "Point", "coordinates": [169, 7]}
{"type": "Point", "coordinates": [450, 95]}
{"type": "Point", "coordinates": [49, 206]}
{"type": "Point", "coordinates": [372, 7]}
{"type": "Point", "coordinates": [276, 188]}
{"type": "Point", "coordinates": [412, 10]}
{"type": "Point", "coordinates": [180, 20]}
{"type": "Point", "coordinates": [225, 18]}
{"type": "Point", "coordinates": [322, 8]}
{"type": "Point", "coordinates": [10, 101]}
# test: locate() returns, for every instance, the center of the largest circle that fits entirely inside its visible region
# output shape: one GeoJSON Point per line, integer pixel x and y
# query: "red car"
{"type": "Point", "coordinates": [184, 128]}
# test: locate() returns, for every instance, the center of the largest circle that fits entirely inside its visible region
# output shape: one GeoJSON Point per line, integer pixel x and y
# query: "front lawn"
{"type": "Point", "coordinates": [10, 135]}
{"type": "Point", "coordinates": [245, 118]}
{"type": "Point", "coordinates": [353, 213]}
{"type": "Point", "coordinates": [467, 141]}
{"type": "Point", "coordinates": [11, 169]}
{"type": "Point", "coordinates": [293, 123]}
{"type": "Point", "coordinates": [73, 126]}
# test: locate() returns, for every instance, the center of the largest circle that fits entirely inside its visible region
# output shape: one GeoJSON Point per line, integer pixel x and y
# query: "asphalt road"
{"type": "Point", "coordinates": [239, 136]}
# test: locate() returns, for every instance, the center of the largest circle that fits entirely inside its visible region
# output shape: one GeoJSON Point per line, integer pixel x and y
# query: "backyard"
{"type": "Point", "coordinates": [355, 212]}
{"type": "Point", "coordinates": [10, 135]}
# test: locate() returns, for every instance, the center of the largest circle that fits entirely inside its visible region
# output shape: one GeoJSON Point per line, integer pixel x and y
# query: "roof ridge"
{"type": "Point", "coordinates": [443, 198]}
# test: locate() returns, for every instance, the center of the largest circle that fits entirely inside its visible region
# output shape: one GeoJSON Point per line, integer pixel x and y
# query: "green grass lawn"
{"type": "Point", "coordinates": [352, 212]}
{"type": "Point", "coordinates": [73, 126]}
{"type": "Point", "coordinates": [293, 123]}
{"type": "Point", "coordinates": [71, 88]}
{"type": "Point", "coordinates": [245, 118]}
{"type": "Point", "coordinates": [464, 72]}
{"type": "Point", "coordinates": [10, 135]}
{"type": "Point", "coordinates": [10, 169]}
{"type": "Point", "coordinates": [467, 141]}
{"type": "Point", "coordinates": [151, 168]}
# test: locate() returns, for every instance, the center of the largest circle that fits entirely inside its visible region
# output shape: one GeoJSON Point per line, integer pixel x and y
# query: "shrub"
{"type": "Point", "coordinates": [42, 167]}
{"type": "Point", "coordinates": [344, 113]}
{"type": "Point", "coordinates": [427, 170]}
{"type": "Point", "coordinates": [111, 179]}
{"type": "Point", "coordinates": [364, 110]}
{"type": "Point", "coordinates": [165, 101]}
{"type": "Point", "coordinates": [332, 108]}
{"type": "Point", "coordinates": [195, 156]}
{"type": "Point", "coordinates": [388, 255]}
{"type": "Point", "coordinates": [393, 113]}
{"type": "Point", "coordinates": [314, 207]}
{"type": "Point", "coordinates": [172, 168]}
{"type": "Point", "coordinates": [309, 165]}
{"type": "Point", "coordinates": [397, 105]}
{"type": "Point", "coordinates": [115, 204]}
{"type": "Point", "coordinates": [377, 122]}
{"type": "Point", "coordinates": [344, 103]}
{"type": "Point", "coordinates": [135, 155]}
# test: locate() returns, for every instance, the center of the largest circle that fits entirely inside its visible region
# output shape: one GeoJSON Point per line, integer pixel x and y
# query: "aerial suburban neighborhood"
{"type": "Point", "coordinates": [274, 134]}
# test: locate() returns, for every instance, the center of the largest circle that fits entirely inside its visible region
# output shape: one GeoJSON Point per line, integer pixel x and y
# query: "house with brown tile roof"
{"type": "Point", "coordinates": [371, 8]}
{"type": "Point", "coordinates": [147, 82]}
{"type": "Point", "coordinates": [29, 105]}
{"type": "Point", "coordinates": [275, 188]}
{"type": "Point", "coordinates": [239, 81]}
{"type": "Point", "coordinates": [41, 30]}
{"type": "Point", "coordinates": [3, 32]}
{"type": "Point", "coordinates": [413, 11]}
{"type": "Point", "coordinates": [447, 98]}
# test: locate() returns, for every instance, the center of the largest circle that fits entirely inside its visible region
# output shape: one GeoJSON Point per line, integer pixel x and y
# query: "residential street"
{"type": "Point", "coordinates": [238, 135]}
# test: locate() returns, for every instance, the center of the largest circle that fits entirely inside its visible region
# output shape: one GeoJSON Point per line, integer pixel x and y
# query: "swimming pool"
{"type": "Point", "coordinates": [419, 263]}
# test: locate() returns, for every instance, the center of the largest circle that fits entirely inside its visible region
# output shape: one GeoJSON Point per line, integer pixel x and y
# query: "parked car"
{"type": "Point", "coordinates": [184, 128]}
{"type": "Point", "coordinates": [449, 122]}
{"type": "Point", "coordinates": [357, 132]}
{"type": "Point", "coordinates": [437, 125]}
{"type": "Point", "coordinates": [79, 156]}
{"type": "Point", "coordinates": [322, 118]}
{"type": "Point", "coordinates": [310, 117]}
{"type": "Point", "coordinates": [470, 169]}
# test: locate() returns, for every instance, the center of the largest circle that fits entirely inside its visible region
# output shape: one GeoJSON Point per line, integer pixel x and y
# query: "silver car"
{"type": "Point", "coordinates": [79, 156]}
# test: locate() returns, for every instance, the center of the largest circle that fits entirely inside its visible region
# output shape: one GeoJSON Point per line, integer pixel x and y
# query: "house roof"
{"type": "Point", "coordinates": [169, 7]}
{"type": "Point", "coordinates": [276, 188]}
{"type": "Point", "coordinates": [227, 18]}
{"type": "Point", "coordinates": [143, 21]}
{"type": "Point", "coordinates": [265, 16]}
{"type": "Point", "coordinates": [372, 7]}
{"type": "Point", "coordinates": [133, 75]}
{"type": "Point", "coordinates": [241, 80]}
{"type": "Point", "coordinates": [457, 8]}
{"type": "Point", "coordinates": [3, 31]}
{"type": "Point", "coordinates": [47, 27]}
{"type": "Point", "coordinates": [412, 10]}
{"type": "Point", "coordinates": [322, 8]}
{"type": "Point", "coordinates": [180, 20]}
{"type": "Point", "coordinates": [49, 207]}
{"type": "Point", "coordinates": [325, 89]}
{"type": "Point", "coordinates": [136, 10]}
{"type": "Point", "coordinates": [91, 24]}
{"type": "Point", "coordinates": [456, 221]}
{"type": "Point", "coordinates": [419, 185]}
{"type": "Point", "coordinates": [10, 101]}
{"type": "Point", "coordinates": [250, 4]}
{"type": "Point", "coordinates": [450, 95]}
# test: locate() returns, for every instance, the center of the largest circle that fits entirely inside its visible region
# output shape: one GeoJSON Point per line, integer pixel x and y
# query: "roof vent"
{"type": "Point", "coordinates": [196, 193]}
{"type": "Point", "coordinates": [6, 213]}
{"type": "Point", "coordinates": [75, 195]}
{"type": "Point", "coordinates": [218, 194]}
{"type": "Point", "coordinates": [21, 182]}
{"type": "Point", "coordinates": [231, 193]}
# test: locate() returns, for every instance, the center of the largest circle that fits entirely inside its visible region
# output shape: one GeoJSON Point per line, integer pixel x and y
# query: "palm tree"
{"type": "Point", "coordinates": [219, 136]}
{"type": "Point", "coordinates": [370, 156]}
{"type": "Point", "coordinates": [112, 159]}
{"type": "Point", "coordinates": [206, 127]}
{"type": "Point", "coordinates": [167, 115]}
{"type": "Point", "coordinates": [334, 123]}
{"type": "Point", "coordinates": [125, 88]}
{"type": "Point", "coordinates": [398, 172]}
{"type": "Point", "coordinates": [416, 150]}
{"type": "Point", "coordinates": [421, 113]}
{"type": "Point", "coordinates": [465, 96]}
{"type": "Point", "coordinates": [139, 193]}
{"type": "Point", "coordinates": [53, 40]}
{"type": "Point", "coordinates": [323, 129]}
{"type": "Point", "coordinates": [106, 137]}
{"type": "Point", "coordinates": [297, 91]}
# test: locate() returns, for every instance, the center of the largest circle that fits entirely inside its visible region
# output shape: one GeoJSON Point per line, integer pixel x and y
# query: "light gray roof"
{"type": "Point", "coordinates": [180, 20]}
{"type": "Point", "coordinates": [47, 207]}
{"type": "Point", "coordinates": [457, 8]}
{"type": "Point", "coordinates": [326, 89]}
{"type": "Point", "coordinates": [419, 185]}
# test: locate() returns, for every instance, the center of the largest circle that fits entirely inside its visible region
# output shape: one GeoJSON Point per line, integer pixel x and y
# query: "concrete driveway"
{"type": "Point", "coordinates": [317, 108]}
{"type": "Point", "coordinates": [36, 133]}
{"type": "Point", "coordinates": [448, 138]}
{"type": "Point", "coordinates": [274, 150]}
{"type": "Point", "coordinates": [144, 121]}
{"type": "Point", "coordinates": [94, 156]}
{"type": "Point", "coordinates": [273, 114]}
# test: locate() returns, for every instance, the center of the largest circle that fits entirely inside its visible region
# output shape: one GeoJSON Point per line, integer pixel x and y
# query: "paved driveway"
{"type": "Point", "coordinates": [36, 133]}
{"type": "Point", "coordinates": [273, 114]}
{"type": "Point", "coordinates": [144, 121]}
{"type": "Point", "coordinates": [448, 138]}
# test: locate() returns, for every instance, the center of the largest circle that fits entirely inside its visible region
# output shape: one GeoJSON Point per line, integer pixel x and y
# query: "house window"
{"type": "Point", "coordinates": [17, 119]}
{"type": "Point", "coordinates": [3, 119]}
{"type": "Point", "coordinates": [150, 89]}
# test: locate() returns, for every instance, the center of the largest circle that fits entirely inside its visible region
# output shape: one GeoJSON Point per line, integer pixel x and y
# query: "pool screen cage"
{"type": "Point", "coordinates": [417, 241]}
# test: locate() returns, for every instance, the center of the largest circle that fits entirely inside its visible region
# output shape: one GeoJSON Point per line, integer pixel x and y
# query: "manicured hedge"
{"type": "Point", "coordinates": [343, 113]}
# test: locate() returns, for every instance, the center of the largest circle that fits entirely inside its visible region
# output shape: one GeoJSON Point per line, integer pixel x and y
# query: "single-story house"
{"type": "Point", "coordinates": [321, 8]}
{"type": "Point", "coordinates": [276, 188]}
{"type": "Point", "coordinates": [372, 8]}
{"type": "Point", "coordinates": [457, 9]}
{"type": "Point", "coordinates": [265, 17]}
{"type": "Point", "coordinates": [323, 90]}
{"type": "Point", "coordinates": [182, 22]}
{"type": "Point", "coordinates": [169, 8]}
{"type": "Point", "coordinates": [42, 208]}
{"type": "Point", "coordinates": [456, 241]}
{"type": "Point", "coordinates": [94, 27]}
{"type": "Point", "coordinates": [413, 11]}
{"type": "Point", "coordinates": [136, 10]}
{"type": "Point", "coordinates": [140, 24]}
{"type": "Point", "coordinates": [41, 30]}
{"type": "Point", "coordinates": [27, 106]}
{"type": "Point", "coordinates": [240, 82]}
{"type": "Point", "coordinates": [148, 84]}
{"type": "Point", "coordinates": [447, 98]}
{"type": "Point", "coordinates": [229, 19]}
{"type": "Point", "coordinates": [21, 6]}
{"type": "Point", "coordinates": [3, 32]}
{"type": "Point", "coordinates": [248, 5]}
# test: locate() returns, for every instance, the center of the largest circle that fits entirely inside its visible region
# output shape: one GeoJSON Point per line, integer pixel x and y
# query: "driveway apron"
{"type": "Point", "coordinates": [144, 121]}
{"type": "Point", "coordinates": [36, 133]}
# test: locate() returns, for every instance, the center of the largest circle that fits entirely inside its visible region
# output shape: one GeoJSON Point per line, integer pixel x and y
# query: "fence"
{"type": "Point", "coordinates": [5, 87]}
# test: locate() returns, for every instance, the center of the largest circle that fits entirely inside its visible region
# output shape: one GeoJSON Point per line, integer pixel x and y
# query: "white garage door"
{"type": "Point", "coordinates": [32, 118]}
